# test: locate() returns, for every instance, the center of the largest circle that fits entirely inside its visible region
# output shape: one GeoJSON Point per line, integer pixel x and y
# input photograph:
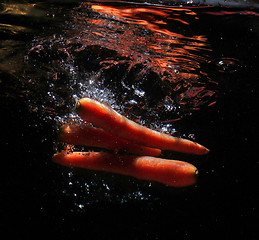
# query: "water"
{"type": "Point", "coordinates": [190, 71]}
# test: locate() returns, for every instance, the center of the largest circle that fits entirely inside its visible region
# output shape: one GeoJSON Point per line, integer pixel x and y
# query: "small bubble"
{"type": "Point", "coordinates": [133, 102]}
{"type": "Point", "coordinates": [169, 107]}
{"type": "Point", "coordinates": [164, 129]}
{"type": "Point", "coordinates": [191, 136]}
{"type": "Point", "coordinates": [228, 65]}
{"type": "Point", "coordinates": [81, 206]}
{"type": "Point", "coordinates": [106, 186]}
{"type": "Point", "coordinates": [139, 93]}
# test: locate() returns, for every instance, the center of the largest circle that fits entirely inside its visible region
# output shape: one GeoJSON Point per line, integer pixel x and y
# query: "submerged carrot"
{"type": "Point", "coordinates": [96, 137]}
{"type": "Point", "coordinates": [170, 172]}
{"type": "Point", "coordinates": [106, 118]}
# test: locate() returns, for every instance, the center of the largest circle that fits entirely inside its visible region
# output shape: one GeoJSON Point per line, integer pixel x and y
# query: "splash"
{"type": "Point", "coordinates": [145, 57]}
{"type": "Point", "coordinates": [150, 54]}
{"type": "Point", "coordinates": [144, 35]}
{"type": "Point", "coordinates": [144, 61]}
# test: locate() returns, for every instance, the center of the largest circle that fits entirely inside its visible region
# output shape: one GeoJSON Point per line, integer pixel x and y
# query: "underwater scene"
{"type": "Point", "coordinates": [186, 69]}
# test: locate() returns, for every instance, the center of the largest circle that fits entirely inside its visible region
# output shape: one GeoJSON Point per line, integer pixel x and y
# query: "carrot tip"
{"type": "Point", "coordinates": [202, 150]}
{"type": "Point", "coordinates": [206, 151]}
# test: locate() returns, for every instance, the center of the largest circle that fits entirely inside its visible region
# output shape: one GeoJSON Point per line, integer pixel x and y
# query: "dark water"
{"type": "Point", "coordinates": [191, 71]}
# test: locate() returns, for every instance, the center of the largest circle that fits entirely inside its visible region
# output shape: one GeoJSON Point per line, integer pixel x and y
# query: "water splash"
{"type": "Point", "coordinates": [144, 61]}
{"type": "Point", "coordinates": [147, 58]}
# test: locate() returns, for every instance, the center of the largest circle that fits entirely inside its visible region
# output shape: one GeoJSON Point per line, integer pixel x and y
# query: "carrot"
{"type": "Point", "coordinates": [170, 172]}
{"type": "Point", "coordinates": [96, 137]}
{"type": "Point", "coordinates": [106, 118]}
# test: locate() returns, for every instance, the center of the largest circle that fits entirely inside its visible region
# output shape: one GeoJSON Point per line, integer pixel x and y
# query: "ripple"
{"type": "Point", "coordinates": [124, 54]}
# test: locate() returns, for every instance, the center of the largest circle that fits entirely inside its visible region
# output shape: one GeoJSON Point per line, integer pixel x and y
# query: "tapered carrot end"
{"type": "Point", "coordinates": [203, 150]}
{"type": "Point", "coordinates": [196, 148]}
{"type": "Point", "coordinates": [187, 146]}
{"type": "Point", "coordinates": [206, 151]}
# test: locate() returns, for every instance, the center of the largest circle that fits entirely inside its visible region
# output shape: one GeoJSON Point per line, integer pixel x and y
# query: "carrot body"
{"type": "Point", "coordinates": [96, 137]}
{"type": "Point", "coordinates": [106, 118]}
{"type": "Point", "coordinates": [170, 172]}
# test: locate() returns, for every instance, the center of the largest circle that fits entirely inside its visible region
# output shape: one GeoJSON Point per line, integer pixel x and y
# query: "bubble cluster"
{"type": "Point", "coordinates": [146, 71]}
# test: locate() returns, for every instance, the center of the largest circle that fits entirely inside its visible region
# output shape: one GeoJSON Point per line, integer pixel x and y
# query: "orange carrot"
{"type": "Point", "coordinates": [106, 118]}
{"type": "Point", "coordinates": [170, 172]}
{"type": "Point", "coordinates": [96, 137]}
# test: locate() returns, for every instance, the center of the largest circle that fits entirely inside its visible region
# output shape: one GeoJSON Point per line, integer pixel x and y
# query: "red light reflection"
{"type": "Point", "coordinates": [145, 34]}
{"type": "Point", "coordinates": [158, 38]}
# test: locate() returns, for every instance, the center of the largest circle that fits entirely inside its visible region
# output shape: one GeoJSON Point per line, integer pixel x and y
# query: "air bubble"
{"type": "Point", "coordinates": [139, 93]}
{"type": "Point", "coordinates": [81, 206]}
{"type": "Point", "coordinates": [228, 65]}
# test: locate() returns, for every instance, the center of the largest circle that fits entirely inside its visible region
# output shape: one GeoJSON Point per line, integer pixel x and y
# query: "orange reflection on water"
{"type": "Point", "coordinates": [164, 48]}
{"type": "Point", "coordinates": [145, 16]}
{"type": "Point", "coordinates": [159, 38]}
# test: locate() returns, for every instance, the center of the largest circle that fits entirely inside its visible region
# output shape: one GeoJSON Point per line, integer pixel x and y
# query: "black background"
{"type": "Point", "coordinates": [222, 205]}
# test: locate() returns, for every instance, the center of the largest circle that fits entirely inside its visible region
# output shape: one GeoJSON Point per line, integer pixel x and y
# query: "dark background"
{"type": "Point", "coordinates": [223, 204]}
